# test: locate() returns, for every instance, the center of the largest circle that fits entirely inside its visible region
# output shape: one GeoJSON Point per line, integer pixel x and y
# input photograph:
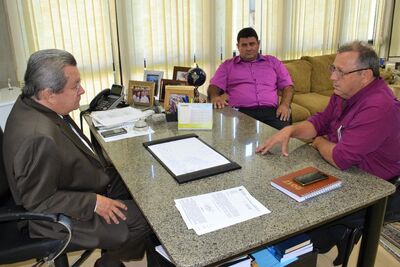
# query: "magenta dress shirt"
{"type": "Point", "coordinates": [365, 128]}
{"type": "Point", "coordinates": [252, 84]}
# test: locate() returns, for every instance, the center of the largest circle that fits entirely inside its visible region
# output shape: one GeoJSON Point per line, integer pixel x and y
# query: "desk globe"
{"type": "Point", "coordinates": [196, 77]}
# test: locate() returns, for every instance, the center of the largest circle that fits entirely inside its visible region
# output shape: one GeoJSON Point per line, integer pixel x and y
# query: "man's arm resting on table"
{"type": "Point", "coordinates": [283, 111]}
{"type": "Point", "coordinates": [303, 130]}
{"type": "Point", "coordinates": [214, 94]}
{"type": "Point", "coordinates": [325, 148]}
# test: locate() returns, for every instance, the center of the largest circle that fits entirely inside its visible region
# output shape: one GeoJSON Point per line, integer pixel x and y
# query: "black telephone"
{"type": "Point", "coordinates": [108, 98]}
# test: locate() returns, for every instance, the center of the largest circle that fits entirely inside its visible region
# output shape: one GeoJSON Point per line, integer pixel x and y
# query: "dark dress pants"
{"type": "Point", "coordinates": [140, 237]}
{"type": "Point", "coordinates": [266, 115]}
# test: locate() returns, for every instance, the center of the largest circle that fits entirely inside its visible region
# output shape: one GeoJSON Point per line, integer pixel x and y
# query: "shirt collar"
{"type": "Point", "coordinates": [365, 91]}
{"type": "Point", "coordinates": [237, 59]}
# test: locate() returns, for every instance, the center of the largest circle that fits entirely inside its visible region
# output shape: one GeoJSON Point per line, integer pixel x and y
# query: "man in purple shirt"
{"type": "Point", "coordinates": [361, 124]}
{"type": "Point", "coordinates": [251, 81]}
{"type": "Point", "coordinates": [359, 127]}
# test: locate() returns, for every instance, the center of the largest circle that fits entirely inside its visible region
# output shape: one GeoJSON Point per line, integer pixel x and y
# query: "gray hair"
{"type": "Point", "coordinates": [45, 69]}
{"type": "Point", "coordinates": [367, 57]}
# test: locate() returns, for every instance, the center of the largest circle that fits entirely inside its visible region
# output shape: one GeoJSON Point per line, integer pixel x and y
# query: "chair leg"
{"type": "Point", "coordinates": [354, 237]}
{"type": "Point", "coordinates": [61, 261]}
{"type": "Point", "coordinates": [82, 258]}
{"type": "Point", "coordinates": [342, 247]}
{"type": "Point", "coordinates": [346, 245]}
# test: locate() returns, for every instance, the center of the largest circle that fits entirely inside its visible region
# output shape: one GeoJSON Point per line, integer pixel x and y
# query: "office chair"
{"type": "Point", "coordinates": [16, 245]}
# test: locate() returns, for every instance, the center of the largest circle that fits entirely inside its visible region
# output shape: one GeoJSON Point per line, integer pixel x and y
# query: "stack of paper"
{"type": "Point", "coordinates": [265, 258]}
{"type": "Point", "coordinates": [116, 117]}
{"type": "Point", "coordinates": [209, 212]}
{"type": "Point", "coordinates": [120, 118]}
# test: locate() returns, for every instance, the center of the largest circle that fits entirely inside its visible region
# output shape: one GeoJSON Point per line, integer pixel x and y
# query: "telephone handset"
{"type": "Point", "coordinates": [108, 98]}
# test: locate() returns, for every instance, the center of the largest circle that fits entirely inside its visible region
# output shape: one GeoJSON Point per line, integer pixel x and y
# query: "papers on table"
{"type": "Point", "coordinates": [116, 117]}
{"type": "Point", "coordinates": [119, 118]}
{"type": "Point", "coordinates": [187, 155]}
{"type": "Point", "coordinates": [131, 131]}
{"type": "Point", "coordinates": [195, 116]}
{"type": "Point", "coordinates": [210, 212]}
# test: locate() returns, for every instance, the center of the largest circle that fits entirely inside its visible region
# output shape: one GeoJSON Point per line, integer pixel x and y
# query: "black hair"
{"type": "Point", "coordinates": [246, 33]}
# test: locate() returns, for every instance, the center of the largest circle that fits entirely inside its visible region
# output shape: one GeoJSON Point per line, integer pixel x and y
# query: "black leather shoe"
{"type": "Point", "coordinates": [107, 261]}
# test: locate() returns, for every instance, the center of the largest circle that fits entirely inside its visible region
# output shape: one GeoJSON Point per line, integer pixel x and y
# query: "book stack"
{"type": "Point", "coordinates": [284, 253]}
{"type": "Point", "coordinates": [290, 187]}
{"type": "Point", "coordinates": [291, 248]}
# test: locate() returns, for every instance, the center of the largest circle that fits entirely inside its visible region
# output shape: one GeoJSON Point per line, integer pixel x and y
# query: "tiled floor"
{"type": "Point", "coordinates": [384, 259]}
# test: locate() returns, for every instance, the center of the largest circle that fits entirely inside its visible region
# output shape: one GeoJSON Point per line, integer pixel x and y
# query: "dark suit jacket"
{"type": "Point", "coordinates": [50, 169]}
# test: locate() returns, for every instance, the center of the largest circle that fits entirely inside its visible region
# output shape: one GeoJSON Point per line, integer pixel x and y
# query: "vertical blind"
{"type": "Point", "coordinates": [168, 33]}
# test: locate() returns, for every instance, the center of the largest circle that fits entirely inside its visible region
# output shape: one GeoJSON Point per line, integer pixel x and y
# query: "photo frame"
{"type": "Point", "coordinates": [180, 73]}
{"type": "Point", "coordinates": [175, 94]}
{"type": "Point", "coordinates": [165, 82]}
{"type": "Point", "coordinates": [155, 77]}
{"type": "Point", "coordinates": [141, 93]}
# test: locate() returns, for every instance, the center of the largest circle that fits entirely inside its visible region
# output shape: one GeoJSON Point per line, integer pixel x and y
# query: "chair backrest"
{"type": "Point", "coordinates": [4, 187]}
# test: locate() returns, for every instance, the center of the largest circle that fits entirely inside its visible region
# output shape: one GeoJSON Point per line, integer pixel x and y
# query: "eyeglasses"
{"type": "Point", "coordinates": [340, 73]}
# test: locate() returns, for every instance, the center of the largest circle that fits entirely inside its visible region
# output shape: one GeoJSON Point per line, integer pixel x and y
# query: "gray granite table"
{"type": "Point", "coordinates": [236, 136]}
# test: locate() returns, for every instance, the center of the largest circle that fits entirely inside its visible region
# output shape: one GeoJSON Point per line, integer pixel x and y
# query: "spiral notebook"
{"type": "Point", "coordinates": [287, 185]}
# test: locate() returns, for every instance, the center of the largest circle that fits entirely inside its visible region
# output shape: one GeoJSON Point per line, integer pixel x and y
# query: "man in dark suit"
{"type": "Point", "coordinates": [52, 167]}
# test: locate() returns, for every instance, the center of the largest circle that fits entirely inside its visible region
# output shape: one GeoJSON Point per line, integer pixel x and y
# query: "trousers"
{"type": "Point", "coordinates": [266, 115]}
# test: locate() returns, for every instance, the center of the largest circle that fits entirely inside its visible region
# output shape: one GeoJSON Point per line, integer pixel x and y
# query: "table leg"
{"type": "Point", "coordinates": [370, 240]}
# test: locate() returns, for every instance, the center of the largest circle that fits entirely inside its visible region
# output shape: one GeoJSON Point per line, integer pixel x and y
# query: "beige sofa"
{"type": "Point", "coordinates": [312, 85]}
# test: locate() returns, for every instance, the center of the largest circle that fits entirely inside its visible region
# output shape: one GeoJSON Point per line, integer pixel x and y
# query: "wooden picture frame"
{"type": "Point", "coordinates": [141, 93]}
{"type": "Point", "coordinates": [156, 77]}
{"type": "Point", "coordinates": [165, 82]}
{"type": "Point", "coordinates": [177, 93]}
{"type": "Point", "coordinates": [180, 73]}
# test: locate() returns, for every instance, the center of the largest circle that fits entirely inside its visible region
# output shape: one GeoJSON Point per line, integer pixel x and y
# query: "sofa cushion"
{"type": "Point", "coordinates": [320, 75]}
{"type": "Point", "coordinates": [299, 113]}
{"type": "Point", "coordinates": [312, 101]}
{"type": "Point", "coordinates": [300, 71]}
{"type": "Point", "coordinates": [326, 92]}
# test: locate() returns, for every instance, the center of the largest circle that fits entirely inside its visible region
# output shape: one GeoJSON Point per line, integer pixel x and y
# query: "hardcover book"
{"type": "Point", "coordinates": [292, 244]}
{"type": "Point", "coordinates": [296, 253]}
{"type": "Point", "coordinates": [287, 185]}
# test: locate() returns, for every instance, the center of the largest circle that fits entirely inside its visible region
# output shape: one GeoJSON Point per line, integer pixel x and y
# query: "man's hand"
{"type": "Point", "coordinates": [110, 209]}
{"type": "Point", "coordinates": [218, 102]}
{"type": "Point", "coordinates": [282, 137]}
{"type": "Point", "coordinates": [283, 112]}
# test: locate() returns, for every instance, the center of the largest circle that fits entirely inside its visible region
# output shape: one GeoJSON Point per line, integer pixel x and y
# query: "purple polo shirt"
{"type": "Point", "coordinates": [365, 128]}
{"type": "Point", "coordinates": [252, 84]}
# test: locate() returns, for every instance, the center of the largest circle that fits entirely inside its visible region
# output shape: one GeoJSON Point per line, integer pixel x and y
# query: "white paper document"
{"type": "Point", "coordinates": [209, 212]}
{"type": "Point", "coordinates": [195, 116]}
{"type": "Point", "coordinates": [116, 117]}
{"type": "Point", "coordinates": [160, 249]}
{"type": "Point", "coordinates": [187, 155]}
{"type": "Point", "coordinates": [244, 261]}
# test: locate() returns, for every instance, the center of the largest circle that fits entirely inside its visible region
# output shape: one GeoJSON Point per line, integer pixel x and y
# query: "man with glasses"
{"type": "Point", "coordinates": [359, 127]}
{"type": "Point", "coordinates": [361, 124]}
